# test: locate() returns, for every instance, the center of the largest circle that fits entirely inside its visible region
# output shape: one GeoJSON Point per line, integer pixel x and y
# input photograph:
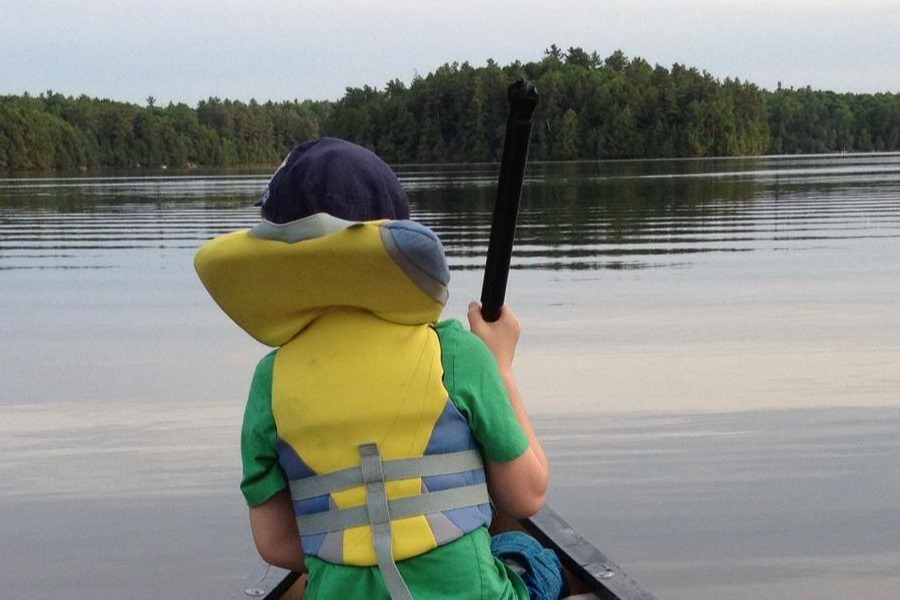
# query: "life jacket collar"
{"type": "Point", "coordinates": [274, 280]}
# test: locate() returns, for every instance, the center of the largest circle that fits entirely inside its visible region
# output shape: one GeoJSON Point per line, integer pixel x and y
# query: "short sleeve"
{"type": "Point", "coordinates": [262, 477]}
{"type": "Point", "coordinates": [479, 393]}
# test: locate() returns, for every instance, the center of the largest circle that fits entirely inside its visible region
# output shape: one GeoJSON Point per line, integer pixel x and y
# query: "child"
{"type": "Point", "coordinates": [373, 435]}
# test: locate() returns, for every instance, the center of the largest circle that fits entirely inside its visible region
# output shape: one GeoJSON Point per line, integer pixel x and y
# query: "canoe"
{"type": "Point", "coordinates": [592, 575]}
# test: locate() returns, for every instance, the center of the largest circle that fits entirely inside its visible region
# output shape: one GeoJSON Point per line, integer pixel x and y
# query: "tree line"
{"type": "Point", "coordinates": [60, 132]}
{"type": "Point", "coordinates": [590, 108]}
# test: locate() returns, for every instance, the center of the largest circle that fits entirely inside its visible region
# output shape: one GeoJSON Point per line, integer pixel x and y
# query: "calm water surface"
{"type": "Point", "coordinates": [711, 353]}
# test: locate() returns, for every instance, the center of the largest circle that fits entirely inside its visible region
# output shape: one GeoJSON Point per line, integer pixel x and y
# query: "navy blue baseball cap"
{"type": "Point", "coordinates": [335, 177]}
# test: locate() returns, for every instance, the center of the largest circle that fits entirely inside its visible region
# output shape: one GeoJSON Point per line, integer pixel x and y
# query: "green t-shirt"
{"type": "Point", "coordinates": [462, 569]}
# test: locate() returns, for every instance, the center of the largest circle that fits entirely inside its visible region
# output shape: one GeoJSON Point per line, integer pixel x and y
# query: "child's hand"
{"type": "Point", "coordinates": [501, 336]}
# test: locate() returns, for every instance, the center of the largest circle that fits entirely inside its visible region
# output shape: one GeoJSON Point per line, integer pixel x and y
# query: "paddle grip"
{"type": "Point", "coordinates": [523, 99]}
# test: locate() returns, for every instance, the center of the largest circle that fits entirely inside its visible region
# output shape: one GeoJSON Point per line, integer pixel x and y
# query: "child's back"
{"type": "Point", "coordinates": [369, 423]}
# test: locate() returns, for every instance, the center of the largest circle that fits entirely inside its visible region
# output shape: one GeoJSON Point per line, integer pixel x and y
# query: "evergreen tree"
{"type": "Point", "coordinates": [591, 108]}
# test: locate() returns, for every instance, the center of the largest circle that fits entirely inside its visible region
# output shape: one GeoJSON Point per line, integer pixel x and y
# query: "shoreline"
{"type": "Point", "coordinates": [265, 167]}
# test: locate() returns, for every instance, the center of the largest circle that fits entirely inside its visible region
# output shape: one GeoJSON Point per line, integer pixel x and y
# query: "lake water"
{"type": "Point", "coordinates": [711, 353]}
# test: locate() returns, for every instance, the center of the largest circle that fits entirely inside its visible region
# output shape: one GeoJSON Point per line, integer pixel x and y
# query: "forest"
{"type": "Point", "coordinates": [591, 108]}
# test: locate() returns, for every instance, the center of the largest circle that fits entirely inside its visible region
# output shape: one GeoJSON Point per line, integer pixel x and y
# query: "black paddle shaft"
{"type": "Point", "coordinates": [523, 99]}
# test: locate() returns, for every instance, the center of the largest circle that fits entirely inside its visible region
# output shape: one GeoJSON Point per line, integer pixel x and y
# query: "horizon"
{"type": "Point", "coordinates": [176, 52]}
{"type": "Point", "coordinates": [408, 83]}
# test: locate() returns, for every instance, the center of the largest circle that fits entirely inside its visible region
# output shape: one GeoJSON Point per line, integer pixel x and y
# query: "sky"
{"type": "Point", "coordinates": [190, 50]}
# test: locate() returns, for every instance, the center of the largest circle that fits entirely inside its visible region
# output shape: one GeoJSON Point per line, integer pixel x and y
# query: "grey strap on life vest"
{"type": "Point", "coordinates": [373, 473]}
{"type": "Point", "coordinates": [424, 504]}
{"type": "Point", "coordinates": [405, 468]}
{"type": "Point", "coordinates": [380, 519]}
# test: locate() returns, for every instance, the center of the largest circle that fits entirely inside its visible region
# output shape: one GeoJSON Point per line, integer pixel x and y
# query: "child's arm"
{"type": "Point", "coordinates": [274, 528]}
{"type": "Point", "coordinates": [517, 487]}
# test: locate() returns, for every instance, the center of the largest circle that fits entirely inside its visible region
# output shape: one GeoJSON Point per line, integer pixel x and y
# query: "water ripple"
{"type": "Point", "coordinates": [575, 216]}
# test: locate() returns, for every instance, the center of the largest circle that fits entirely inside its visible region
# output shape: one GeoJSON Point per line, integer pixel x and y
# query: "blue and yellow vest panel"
{"type": "Point", "coordinates": [359, 363]}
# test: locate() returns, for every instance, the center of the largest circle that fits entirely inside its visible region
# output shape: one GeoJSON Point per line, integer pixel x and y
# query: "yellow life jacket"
{"type": "Point", "coordinates": [358, 396]}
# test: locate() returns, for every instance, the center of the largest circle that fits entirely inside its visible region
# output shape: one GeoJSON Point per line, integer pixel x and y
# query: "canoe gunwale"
{"type": "Point", "coordinates": [583, 559]}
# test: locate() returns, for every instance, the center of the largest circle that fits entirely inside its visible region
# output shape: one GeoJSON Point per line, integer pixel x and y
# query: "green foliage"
{"type": "Point", "coordinates": [808, 121]}
{"type": "Point", "coordinates": [591, 108]}
{"type": "Point", "coordinates": [52, 131]}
